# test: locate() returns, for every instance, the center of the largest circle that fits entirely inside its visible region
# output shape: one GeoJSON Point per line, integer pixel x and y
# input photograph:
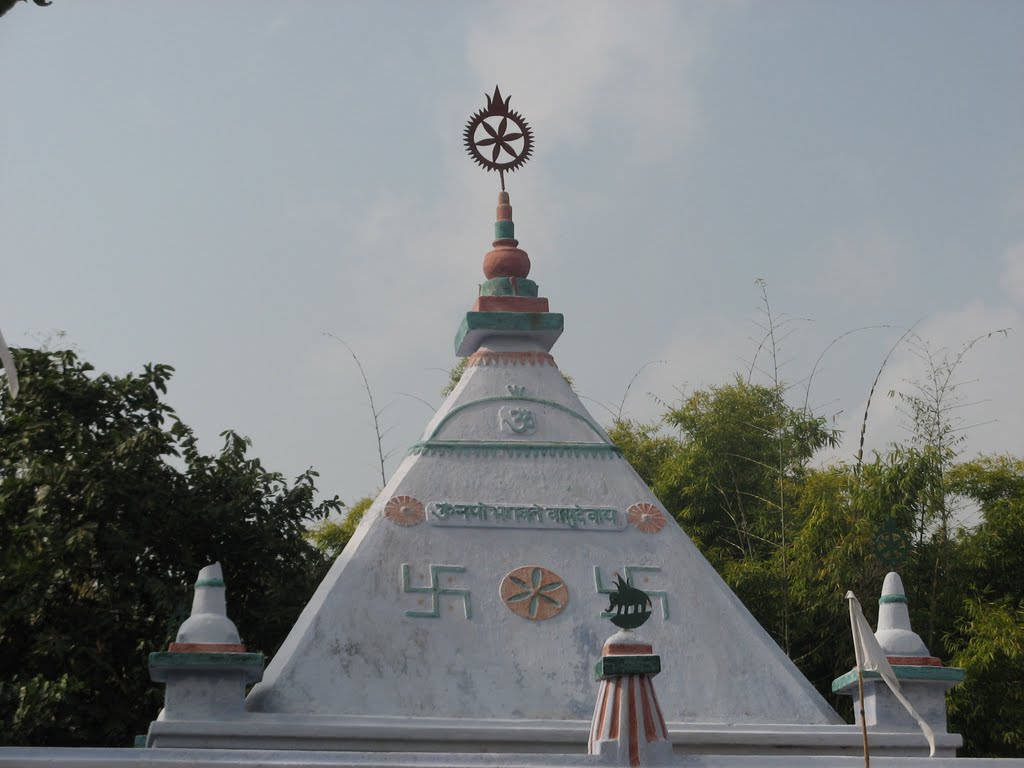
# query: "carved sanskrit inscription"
{"type": "Point", "coordinates": [509, 516]}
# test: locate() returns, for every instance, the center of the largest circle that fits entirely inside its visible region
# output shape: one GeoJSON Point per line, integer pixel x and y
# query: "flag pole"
{"type": "Point", "coordinates": [858, 655]}
{"type": "Point", "coordinates": [863, 720]}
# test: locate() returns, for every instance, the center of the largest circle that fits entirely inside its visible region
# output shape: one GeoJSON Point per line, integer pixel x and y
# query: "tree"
{"type": "Point", "coordinates": [987, 638]}
{"type": "Point", "coordinates": [108, 509]}
{"type": "Point", "coordinates": [332, 536]}
{"type": "Point", "coordinates": [729, 474]}
{"type": "Point", "coordinates": [729, 459]}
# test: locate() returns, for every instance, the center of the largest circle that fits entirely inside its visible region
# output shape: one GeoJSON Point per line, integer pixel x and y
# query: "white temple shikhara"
{"type": "Point", "coordinates": [466, 609]}
{"type": "Point", "coordinates": [463, 622]}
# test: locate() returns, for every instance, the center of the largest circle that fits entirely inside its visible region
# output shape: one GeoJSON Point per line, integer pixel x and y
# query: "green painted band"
{"type": "Point", "coordinates": [140, 741]}
{"type": "Point", "coordinates": [522, 398]}
{"type": "Point", "coordinates": [503, 286]}
{"type": "Point", "coordinates": [616, 666]}
{"type": "Point", "coordinates": [544, 326]}
{"type": "Point", "coordinates": [206, 660]}
{"type": "Point", "coordinates": [903, 672]}
{"type": "Point", "coordinates": [884, 599]}
{"type": "Point", "coordinates": [504, 230]}
{"type": "Point", "coordinates": [513, 321]}
{"type": "Point", "coordinates": [602, 450]}
{"type": "Point", "coordinates": [210, 583]}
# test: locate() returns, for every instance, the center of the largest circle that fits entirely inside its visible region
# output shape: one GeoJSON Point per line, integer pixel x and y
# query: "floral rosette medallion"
{"type": "Point", "coordinates": [534, 593]}
{"type": "Point", "coordinates": [404, 510]}
{"type": "Point", "coordinates": [645, 517]}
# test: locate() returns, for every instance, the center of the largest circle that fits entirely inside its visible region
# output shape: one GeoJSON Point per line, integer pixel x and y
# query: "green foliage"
{"type": "Point", "coordinates": [742, 447]}
{"type": "Point", "coordinates": [649, 452]}
{"type": "Point", "coordinates": [988, 708]}
{"type": "Point", "coordinates": [730, 469]}
{"type": "Point", "coordinates": [454, 376]}
{"type": "Point", "coordinates": [108, 509]}
{"type": "Point", "coordinates": [987, 638]}
{"type": "Point", "coordinates": [332, 536]}
{"type": "Point", "coordinates": [734, 464]}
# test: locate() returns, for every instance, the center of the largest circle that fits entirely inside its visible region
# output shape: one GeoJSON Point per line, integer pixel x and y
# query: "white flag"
{"type": "Point", "coordinates": [8, 363]}
{"type": "Point", "coordinates": [871, 657]}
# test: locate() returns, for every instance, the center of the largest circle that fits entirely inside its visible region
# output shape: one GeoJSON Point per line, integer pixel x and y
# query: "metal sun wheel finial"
{"type": "Point", "coordinates": [497, 137]}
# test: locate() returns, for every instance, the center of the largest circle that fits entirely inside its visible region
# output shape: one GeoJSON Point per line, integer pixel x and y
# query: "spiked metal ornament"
{"type": "Point", "coordinates": [491, 143]}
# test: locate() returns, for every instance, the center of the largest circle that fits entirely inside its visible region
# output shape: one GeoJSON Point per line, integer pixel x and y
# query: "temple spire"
{"type": "Point", "coordinates": [507, 305]}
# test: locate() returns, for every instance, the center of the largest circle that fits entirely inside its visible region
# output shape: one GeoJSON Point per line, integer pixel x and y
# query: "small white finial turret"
{"type": "Point", "coordinates": [209, 622]}
{"type": "Point", "coordinates": [894, 633]}
{"type": "Point", "coordinates": [206, 669]}
{"type": "Point", "coordinates": [922, 680]}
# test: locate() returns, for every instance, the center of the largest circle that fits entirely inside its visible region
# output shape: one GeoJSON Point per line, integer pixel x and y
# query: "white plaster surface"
{"type": "Point", "coordinates": [355, 651]}
{"type": "Point", "coordinates": [894, 632]}
{"type": "Point", "coordinates": [208, 622]}
{"type": "Point", "coordinates": [425, 734]}
{"type": "Point", "coordinates": [15, 757]}
{"type": "Point", "coordinates": [928, 697]}
{"type": "Point", "coordinates": [206, 694]}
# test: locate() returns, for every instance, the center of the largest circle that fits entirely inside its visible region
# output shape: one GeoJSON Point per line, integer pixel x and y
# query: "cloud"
{"type": "Point", "coordinates": [865, 268]}
{"type": "Point", "coordinates": [989, 409]}
{"type": "Point", "coordinates": [580, 64]}
{"type": "Point", "coordinates": [1013, 278]}
{"type": "Point", "coordinates": [705, 352]}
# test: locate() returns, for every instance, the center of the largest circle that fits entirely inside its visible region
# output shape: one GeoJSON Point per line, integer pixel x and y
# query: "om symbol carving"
{"type": "Point", "coordinates": [518, 420]}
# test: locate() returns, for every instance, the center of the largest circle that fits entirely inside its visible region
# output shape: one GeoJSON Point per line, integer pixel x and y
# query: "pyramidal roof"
{"type": "Point", "coordinates": [474, 587]}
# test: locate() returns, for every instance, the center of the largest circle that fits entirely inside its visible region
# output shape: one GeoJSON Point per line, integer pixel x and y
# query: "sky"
{"type": "Point", "coordinates": [226, 187]}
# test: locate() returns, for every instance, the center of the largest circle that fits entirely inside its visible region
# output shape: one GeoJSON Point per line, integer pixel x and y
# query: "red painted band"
{"type": "Point", "coordinates": [487, 357]}
{"type": "Point", "coordinates": [625, 649]}
{"type": "Point", "coordinates": [650, 732]}
{"type": "Point", "coordinates": [657, 708]}
{"type": "Point", "coordinates": [603, 708]}
{"type": "Point", "coordinates": [206, 648]}
{"type": "Point", "coordinates": [616, 703]}
{"type": "Point", "coordinates": [915, 661]}
{"type": "Point", "coordinates": [634, 736]}
{"type": "Point", "coordinates": [510, 304]}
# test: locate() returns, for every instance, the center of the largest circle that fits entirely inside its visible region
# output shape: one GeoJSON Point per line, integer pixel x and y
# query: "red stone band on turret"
{"type": "Point", "coordinates": [510, 304]}
{"type": "Point", "coordinates": [915, 661]}
{"type": "Point", "coordinates": [625, 649]}
{"type": "Point", "coordinates": [206, 648]}
{"type": "Point", "coordinates": [487, 357]}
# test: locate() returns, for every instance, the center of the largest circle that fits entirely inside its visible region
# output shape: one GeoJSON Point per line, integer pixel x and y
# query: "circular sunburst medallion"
{"type": "Point", "coordinates": [645, 517]}
{"type": "Point", "coordinates": [404, 510]}
{"type": "Point", "coordinates": [498, 138]}
{"type": "Point", "coordinates": [534, 593]}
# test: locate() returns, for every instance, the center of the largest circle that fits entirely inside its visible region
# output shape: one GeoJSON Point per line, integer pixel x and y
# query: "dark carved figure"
{"type": "Point", "coordinates": [632, 606]}
{"type": "Point", "coordinates": [6, 5]}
